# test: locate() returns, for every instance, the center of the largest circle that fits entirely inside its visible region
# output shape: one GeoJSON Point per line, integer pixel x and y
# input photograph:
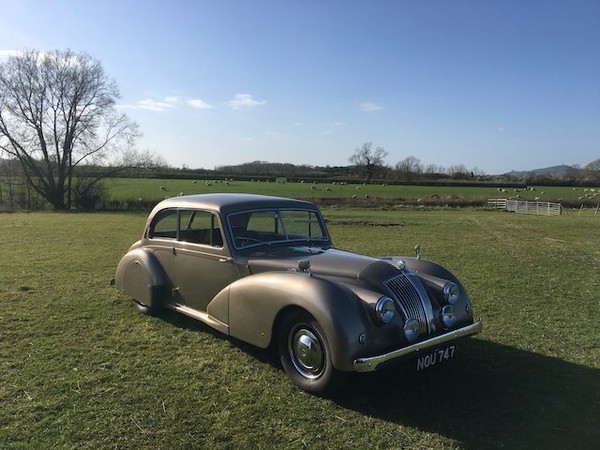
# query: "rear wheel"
{"type": "Point", "coordinates": [305, 354]}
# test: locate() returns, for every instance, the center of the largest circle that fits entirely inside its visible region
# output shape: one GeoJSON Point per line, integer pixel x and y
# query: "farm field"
{"type": "Point", "coordinates": [79, 368]}
{"type": "Point", "coordinates": [127, 189]}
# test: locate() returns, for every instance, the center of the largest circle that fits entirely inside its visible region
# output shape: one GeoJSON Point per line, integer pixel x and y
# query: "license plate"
{"type": "Point", "coordinates": [436, 357]}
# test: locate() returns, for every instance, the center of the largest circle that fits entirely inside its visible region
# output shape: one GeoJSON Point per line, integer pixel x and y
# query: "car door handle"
{"type": "Point", "coordinates": [224, 260]}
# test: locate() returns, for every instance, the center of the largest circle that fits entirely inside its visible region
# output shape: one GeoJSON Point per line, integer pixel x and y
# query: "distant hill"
{"type": "Point", "coordinates": [558, 172]}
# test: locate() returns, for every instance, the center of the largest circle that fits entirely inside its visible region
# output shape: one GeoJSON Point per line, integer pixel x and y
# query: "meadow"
{"type": "Point", "coordinates": [79, 368]}
{"type": "Point", "coordinates": [146, 190]}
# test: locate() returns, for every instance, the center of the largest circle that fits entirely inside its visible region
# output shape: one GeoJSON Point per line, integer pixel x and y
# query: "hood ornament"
{"type": "Point", "coordinates": [418, 250]}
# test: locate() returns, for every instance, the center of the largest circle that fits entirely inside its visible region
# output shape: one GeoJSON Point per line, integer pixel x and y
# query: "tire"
{"type": "Point", "coordinates": [306, 355]}
{"type": "Point", "coordinates": [144, 309]}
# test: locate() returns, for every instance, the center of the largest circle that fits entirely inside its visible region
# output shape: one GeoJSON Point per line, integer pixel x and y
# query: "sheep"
{"type": "Point", "coordinates": [194, 182]}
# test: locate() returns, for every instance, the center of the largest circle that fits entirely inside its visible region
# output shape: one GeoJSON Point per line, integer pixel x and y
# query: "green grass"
{"type": "Point", "coordinates": [79, 368]}
{"type": "Point", "coordinates": [126, 189]}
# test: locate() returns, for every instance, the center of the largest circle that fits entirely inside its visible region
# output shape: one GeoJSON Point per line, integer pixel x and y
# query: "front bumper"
{"type": "Point", "coordinates": [371, 363]}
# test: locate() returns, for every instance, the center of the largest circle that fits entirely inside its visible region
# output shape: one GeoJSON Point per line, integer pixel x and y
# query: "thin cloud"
{"type": "Point", "coordinates": [198, 104]}
{"type": "Point", "coordinates": [370, 106]}
{"type": "Point", "coordinates": [154, 105]}
{"type": "Point", "coordinates": [149, 104]}
{"type": "Point", "coordinates": [245, 101]}
{"type": "Point", "coordinates": [167, 103]}
{"type": "Point", "coordinates": [333, 127]}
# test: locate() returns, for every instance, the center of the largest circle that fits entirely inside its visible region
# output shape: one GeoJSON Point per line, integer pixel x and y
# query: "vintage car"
{"type": "Point", "coordinates": [264, 270]}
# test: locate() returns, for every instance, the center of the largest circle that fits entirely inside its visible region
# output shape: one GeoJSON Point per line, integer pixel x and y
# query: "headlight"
{"type": "Point", "coordinates": [451, 292]}
{"type": "Point", "coordinates": [385, 310]}
{"type": "Point", "coordinates": [448, 315]}
{"type": "Point", "coordinates": [411, 330]}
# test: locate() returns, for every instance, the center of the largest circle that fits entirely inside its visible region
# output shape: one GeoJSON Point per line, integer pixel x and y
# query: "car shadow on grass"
{"type": "Point", "coordinates": [489, 396]}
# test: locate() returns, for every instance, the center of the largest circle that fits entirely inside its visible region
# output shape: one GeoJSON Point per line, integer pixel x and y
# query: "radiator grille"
{"type": "Point", "coordinates": [407, 296]}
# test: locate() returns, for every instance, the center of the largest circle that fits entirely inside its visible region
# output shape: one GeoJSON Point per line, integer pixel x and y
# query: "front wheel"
{"type": "Point", "coordinates": [306, 356]}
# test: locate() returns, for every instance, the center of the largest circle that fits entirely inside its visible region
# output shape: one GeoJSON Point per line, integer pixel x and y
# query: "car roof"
{"type": "Point", "coordinates": [226, 203]}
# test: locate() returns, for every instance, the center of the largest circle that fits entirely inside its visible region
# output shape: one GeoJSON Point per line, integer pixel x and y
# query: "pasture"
{"type": "Point", "coordinates": [79, 368]}
{"type": "Point", "coordinates": [151, 190]}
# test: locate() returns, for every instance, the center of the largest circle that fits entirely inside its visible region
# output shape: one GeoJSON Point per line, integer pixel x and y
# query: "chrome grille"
{"type": "Point", "coordinates": [407, 297]}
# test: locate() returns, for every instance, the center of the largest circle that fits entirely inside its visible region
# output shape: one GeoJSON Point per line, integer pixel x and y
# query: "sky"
{"type": "Point", "coordinates": [495, 85]}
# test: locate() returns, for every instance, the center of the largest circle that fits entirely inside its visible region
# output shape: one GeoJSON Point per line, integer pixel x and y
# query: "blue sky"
{"type": "Point", "coordinates": [492, 84]}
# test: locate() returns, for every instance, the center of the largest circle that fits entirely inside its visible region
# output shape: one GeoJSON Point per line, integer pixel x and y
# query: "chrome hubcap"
{"type": "Point", "coordinates": [306, 352]}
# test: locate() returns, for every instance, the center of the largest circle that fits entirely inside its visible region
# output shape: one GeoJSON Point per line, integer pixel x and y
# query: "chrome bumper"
{"type": "Point", "coordinates": [370, 363]}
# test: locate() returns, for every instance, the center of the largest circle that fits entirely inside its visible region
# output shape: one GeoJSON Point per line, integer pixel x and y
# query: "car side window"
{"type": "Point", "coordinates": [200, 227]}
{"type": "Point", "coordinates": [164, 225]}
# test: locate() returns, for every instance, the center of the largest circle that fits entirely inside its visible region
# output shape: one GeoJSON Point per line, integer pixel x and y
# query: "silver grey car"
{"type": "Point", "coordinates": [264, 270]}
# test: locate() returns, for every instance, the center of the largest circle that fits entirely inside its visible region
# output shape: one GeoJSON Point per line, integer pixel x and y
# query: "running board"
{"type": "Point", "coordinates": [201, 316]}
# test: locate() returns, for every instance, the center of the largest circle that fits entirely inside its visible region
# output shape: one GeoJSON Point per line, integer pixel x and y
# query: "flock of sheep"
{"type": "Point", "coordinates": [589, 193]}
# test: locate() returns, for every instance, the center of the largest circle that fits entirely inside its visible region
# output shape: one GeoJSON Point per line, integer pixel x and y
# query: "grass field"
{"type": "Point", "coordinates": [126, 189]}
{"type": "Point", "coordinates": [79, 368]}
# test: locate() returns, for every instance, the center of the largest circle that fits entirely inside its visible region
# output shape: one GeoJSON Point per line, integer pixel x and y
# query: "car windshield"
{"type": "Point", "coordinates": [252, 228]}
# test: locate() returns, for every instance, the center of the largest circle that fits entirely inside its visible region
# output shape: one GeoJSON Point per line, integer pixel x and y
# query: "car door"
{"type": "Point", "coordinates": [202, 265]}
{"type": "Point", "coordinates": [162, 238]}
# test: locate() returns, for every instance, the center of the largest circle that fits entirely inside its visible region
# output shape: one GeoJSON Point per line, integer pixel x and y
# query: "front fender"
{"type": "Point", "coordinates": [255, 302]}
{"type": "Point", "coordinates": [425, 268]}
{"type": "Point", "coordinates": [429, 267]}
{"type": "Point", "coordinates": [140, 276]}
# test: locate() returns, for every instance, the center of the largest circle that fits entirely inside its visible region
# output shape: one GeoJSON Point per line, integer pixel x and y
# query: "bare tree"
{"type": "Point", "coordinates": [592, 171]}
{"type": "Point", "coordinates": [409, 168]}
{"type": "Point", "coordinates": [57, 112]}
{"type": "Point", "coordinates": [368, 159]}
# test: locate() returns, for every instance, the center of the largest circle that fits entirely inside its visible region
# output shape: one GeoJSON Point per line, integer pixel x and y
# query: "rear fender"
{"type": "Point", "coordinates": [140, 275]}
